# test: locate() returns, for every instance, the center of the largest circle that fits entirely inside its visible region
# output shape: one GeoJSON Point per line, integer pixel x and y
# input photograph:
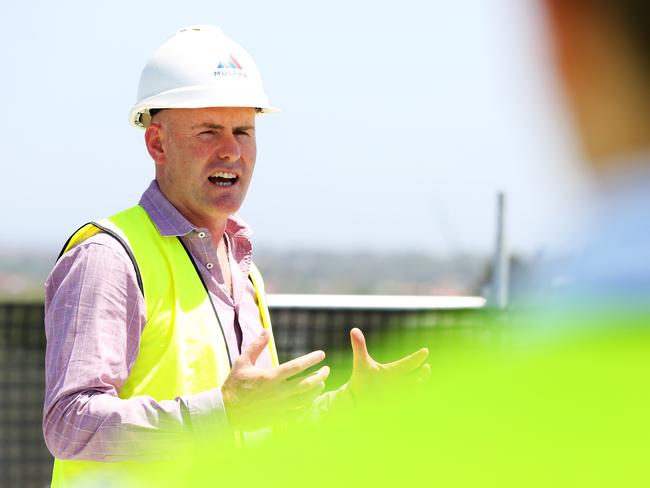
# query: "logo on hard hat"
{"type": "Point", "coordinates": [230, 67]}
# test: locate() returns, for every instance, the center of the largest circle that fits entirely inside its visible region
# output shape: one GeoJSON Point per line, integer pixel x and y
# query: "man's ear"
{"type": "Point", "coordinates": [153, 139]}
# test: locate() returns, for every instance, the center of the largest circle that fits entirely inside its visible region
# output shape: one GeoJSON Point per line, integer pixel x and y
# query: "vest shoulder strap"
{"type": "Point", "coordinates": [105, 225]}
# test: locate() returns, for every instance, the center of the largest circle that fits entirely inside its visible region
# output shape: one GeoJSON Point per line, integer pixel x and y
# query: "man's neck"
{"type": "Point", "coordinates": [217, 232]}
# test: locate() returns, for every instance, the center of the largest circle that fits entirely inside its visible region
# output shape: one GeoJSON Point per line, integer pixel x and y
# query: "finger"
{"type": "Point", "coordinates": [410, 362]}
{"type": "Point", "coordinates": [253, 351]}
{"type": "Point", "coordinates": [423, 374]}
{"type": "Point", "coordinates": [307, 397]}
{"type": "Point", "coordinates": [300, 385]}
{"type": "Point", "coordinates": [298, 365]}
{"type": "Point", "coordinates": [281, 401]}
{"type": "Point", "coordinates": [287, 401]}
{"type": "Point", "coordinates": [287, 409]}
{"type": "Point", "coordinates": [294, 414]}
{"type": "Point", "coordinates": [359, 348]}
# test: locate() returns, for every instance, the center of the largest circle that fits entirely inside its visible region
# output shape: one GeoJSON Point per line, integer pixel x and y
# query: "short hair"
{"type": "Point", "coordinates": [154, 111]}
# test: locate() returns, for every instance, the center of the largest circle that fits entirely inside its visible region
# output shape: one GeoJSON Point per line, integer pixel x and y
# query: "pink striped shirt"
{"type": "Point", "coordinates": [94, 316]}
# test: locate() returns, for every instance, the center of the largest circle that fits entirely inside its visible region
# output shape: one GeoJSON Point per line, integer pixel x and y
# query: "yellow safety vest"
{"type": "Point", "coordinates": [183, 348]}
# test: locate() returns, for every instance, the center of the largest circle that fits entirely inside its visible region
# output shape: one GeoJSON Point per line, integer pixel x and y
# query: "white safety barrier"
{"type": "Point", "coordinates": [375, 302]}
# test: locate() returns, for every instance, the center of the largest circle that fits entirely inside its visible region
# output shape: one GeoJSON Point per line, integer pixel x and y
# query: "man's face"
{"type": "Point", "coordinates": [197, 153]}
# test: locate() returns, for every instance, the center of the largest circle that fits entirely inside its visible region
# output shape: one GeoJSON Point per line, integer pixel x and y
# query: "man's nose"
{"type": "Point", "coordinates": [228, 148]}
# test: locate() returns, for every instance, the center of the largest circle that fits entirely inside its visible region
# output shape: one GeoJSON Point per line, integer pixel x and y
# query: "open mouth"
{"type": "Point", "coordinates": [223, 178]}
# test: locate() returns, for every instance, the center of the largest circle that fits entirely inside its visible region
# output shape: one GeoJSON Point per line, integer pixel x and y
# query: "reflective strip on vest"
{"type": "Point", "coordinates": [183, 349]}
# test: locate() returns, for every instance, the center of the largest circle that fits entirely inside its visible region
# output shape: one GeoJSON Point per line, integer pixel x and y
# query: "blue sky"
{"type": "Point", "coordinates": [400, 121]}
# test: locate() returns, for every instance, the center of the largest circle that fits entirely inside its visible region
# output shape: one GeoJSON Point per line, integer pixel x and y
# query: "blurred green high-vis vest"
{"type": "Point", "coordinates": [182, 348]}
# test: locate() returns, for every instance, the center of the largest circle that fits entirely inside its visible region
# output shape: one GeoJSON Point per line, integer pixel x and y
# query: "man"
{"type": "Point", "coordinates": [155, 317]}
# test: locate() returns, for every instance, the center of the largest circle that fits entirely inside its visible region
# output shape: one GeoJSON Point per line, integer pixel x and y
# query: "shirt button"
{"type": "Point", "coordinates": [209, 265]}
{"type": "Point", "coordinates": [201, 235]}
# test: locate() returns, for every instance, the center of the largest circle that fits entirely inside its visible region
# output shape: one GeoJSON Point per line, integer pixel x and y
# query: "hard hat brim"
{"type": "Point", "coordinates": [193, 97]}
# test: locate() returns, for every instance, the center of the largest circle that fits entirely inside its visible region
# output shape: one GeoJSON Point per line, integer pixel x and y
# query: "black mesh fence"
{"type": "Point", "coordinates": [24, 459]}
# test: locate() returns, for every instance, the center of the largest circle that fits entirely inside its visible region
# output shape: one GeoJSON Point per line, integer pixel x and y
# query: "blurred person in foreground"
{"type": "Point", "coordinates": [155, 318]}
{"type": "Point", "coordinates": [602, 50]}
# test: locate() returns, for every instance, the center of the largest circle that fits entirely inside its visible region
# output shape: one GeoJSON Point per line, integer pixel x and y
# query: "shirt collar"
{"type": "Point", "coordinates": [170, 222]}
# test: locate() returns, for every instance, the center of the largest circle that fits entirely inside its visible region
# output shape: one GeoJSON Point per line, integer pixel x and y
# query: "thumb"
{"type": "Point", "coordinates": [359, 350]}
{"type": "Point", "coordinates": [253, 351]}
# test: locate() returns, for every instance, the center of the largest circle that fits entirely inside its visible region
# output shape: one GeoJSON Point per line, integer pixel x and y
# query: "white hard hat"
{"type": "Point", "coordinates": [195, 68]}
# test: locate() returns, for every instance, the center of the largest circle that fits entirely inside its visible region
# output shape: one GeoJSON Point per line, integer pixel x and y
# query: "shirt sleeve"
{"type": "Point", "coordinates": [94, 317]}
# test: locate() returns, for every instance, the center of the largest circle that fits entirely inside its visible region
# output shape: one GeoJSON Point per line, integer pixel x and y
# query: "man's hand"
{"type": "Point", "coordinates": [370, 378]}
{"type": "Point", "coordinates": [259, 397]}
